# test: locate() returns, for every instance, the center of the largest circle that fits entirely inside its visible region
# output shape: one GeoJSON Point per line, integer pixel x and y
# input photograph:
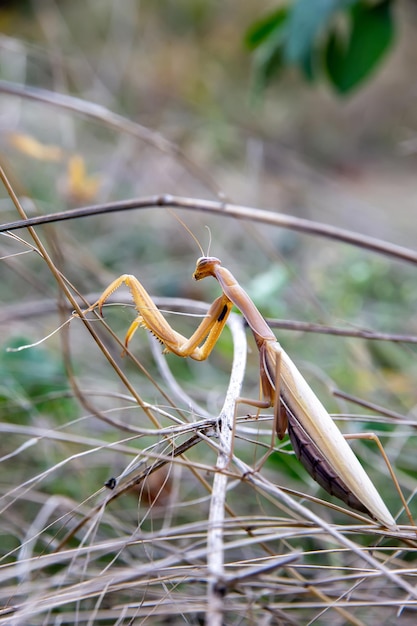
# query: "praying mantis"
{"type": "Point", "coordinates": [316, 440]}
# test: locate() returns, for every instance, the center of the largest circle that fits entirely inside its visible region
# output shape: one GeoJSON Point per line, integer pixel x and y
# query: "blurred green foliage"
{"type": "Point", "coordinates": [343, 39]}
{"type": "Point", "coordinates": [33, 381]}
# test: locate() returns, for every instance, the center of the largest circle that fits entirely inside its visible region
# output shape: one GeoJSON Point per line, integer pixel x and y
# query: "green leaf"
{"type": "Point", "coordinates": [306, 22]}
{"type": "Point", "coordinates": [266, 37]}
{"type": "Point", "coordinates": [267, 63]}
{"type": "Point", "coordinates": [308, 65]}
{"type": "Point", "coordinates": [351, 58]}
{"type": "Point", "coordinates": [289, 36]}
{"type": "Point", "coordinates": [265, 28]}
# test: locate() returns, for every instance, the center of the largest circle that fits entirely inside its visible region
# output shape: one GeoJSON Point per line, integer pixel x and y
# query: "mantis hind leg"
{"type": "Point", "coordinates": [258, 404]}
{"type": "Point", "coordinates": [270, 369]}
{"type": "Point", "coordinates": [373, 437]}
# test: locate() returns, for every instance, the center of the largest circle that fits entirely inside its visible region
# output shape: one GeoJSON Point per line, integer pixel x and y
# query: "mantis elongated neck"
{"type": "Point", "coordinates": [211, 266]}
{"type": "Point", "coordinates": [242, 301]}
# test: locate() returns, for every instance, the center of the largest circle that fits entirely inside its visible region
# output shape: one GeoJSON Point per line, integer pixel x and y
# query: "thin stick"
{"type": "Point", "coordinates": [223, 209]}
{"type": "Point", "coordinates": [119, 123]}
{"type": "Point", "coordinates": [360, 333]}
{"type": "Point", "coordinates": [215, 548]}
{"type": "Point", "coordinates": [266, 486]}
{"type": "Point", "coordinates": [44, 307]}
{"type": "Point", "coordinates": [74, 303]}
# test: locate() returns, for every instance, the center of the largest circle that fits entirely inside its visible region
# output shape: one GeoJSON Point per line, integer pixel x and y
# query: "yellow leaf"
{"type": "Point", "coordinates": [33, 148]}
{"type": "Point", "coordinates": [80, 187]}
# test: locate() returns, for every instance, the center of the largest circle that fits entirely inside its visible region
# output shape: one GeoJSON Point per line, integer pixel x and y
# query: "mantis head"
{"type": "Point", "coordinates": [206, 267]}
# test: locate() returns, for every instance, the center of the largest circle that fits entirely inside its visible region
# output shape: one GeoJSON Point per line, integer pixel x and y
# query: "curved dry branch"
{"type": "Point", "coordinates": [225, 209]}
{"type": "Point", "coordinates": [118, 123]}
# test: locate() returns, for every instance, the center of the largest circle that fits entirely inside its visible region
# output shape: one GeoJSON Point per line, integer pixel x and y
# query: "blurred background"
{"type": "Point", "coordinates": [204, 100]}
{"type": "Point", "coordinates": [184, 79]}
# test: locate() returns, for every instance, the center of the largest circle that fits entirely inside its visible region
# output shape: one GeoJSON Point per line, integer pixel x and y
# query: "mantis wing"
{"type": "Point", "coordinates": [320, 445]}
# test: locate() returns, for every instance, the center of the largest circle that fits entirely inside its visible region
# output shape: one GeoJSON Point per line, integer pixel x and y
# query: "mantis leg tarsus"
{"type": "Point", "coordinates": [137, 323]}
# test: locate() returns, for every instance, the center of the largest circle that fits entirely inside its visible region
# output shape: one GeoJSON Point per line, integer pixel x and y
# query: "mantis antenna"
{"type": "Point", "coordinates": [189, 231]}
